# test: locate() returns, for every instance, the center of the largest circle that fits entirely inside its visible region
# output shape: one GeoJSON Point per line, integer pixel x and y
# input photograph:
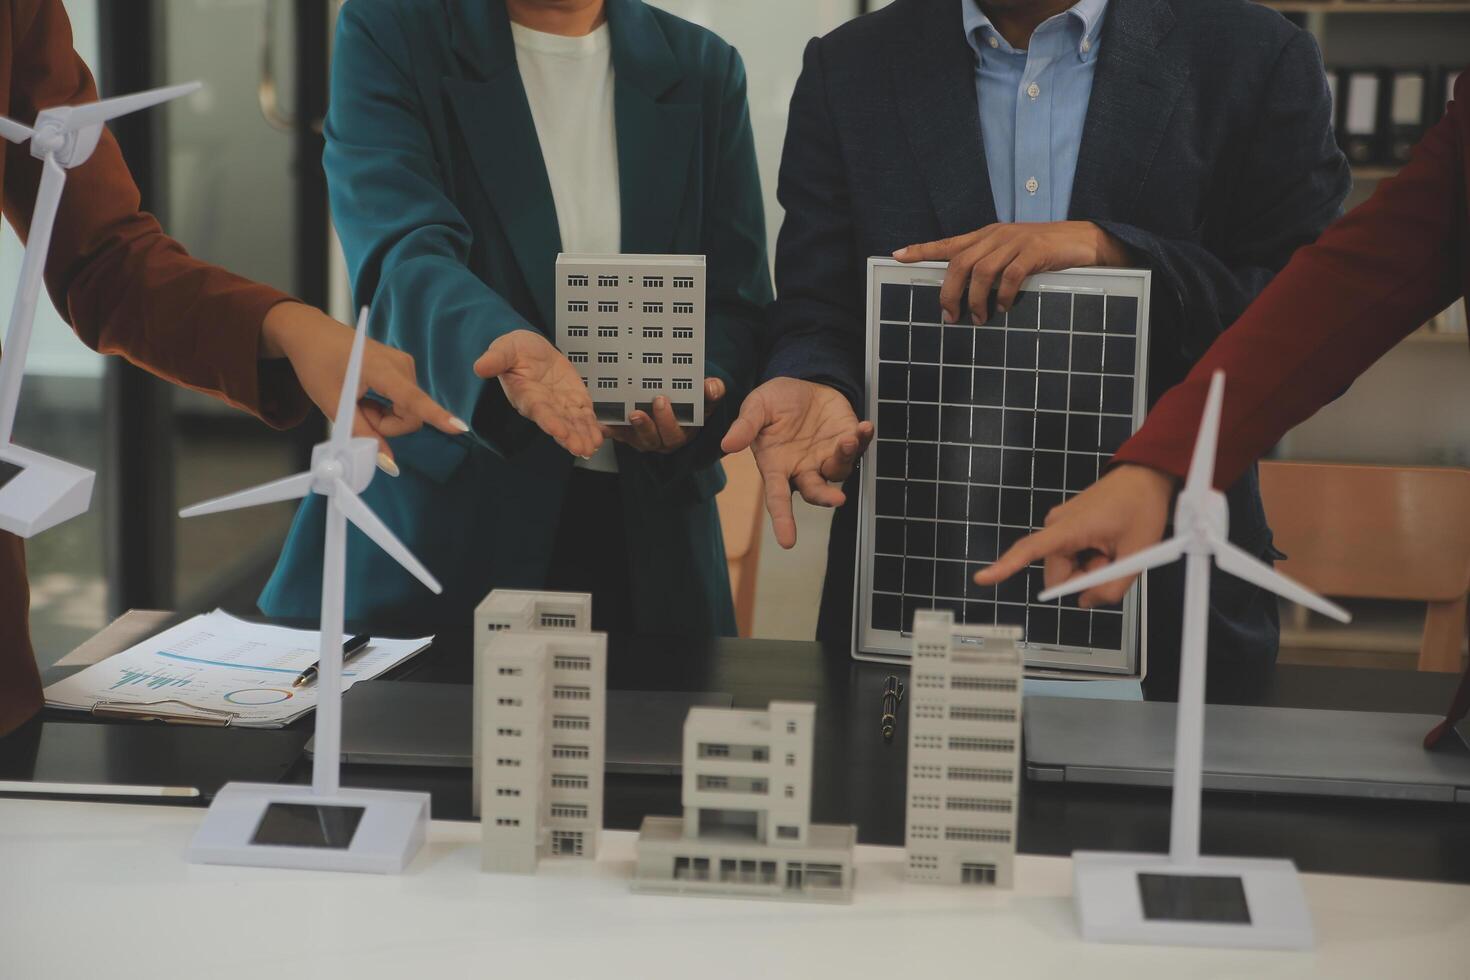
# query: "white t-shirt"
{"type": "Point", "coordinates": [569, 84]}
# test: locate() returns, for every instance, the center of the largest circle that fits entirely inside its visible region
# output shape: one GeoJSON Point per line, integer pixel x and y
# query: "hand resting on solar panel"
{"type": "Point", "coordinates": [997, 258]}
{"type": "Point", "coordinates": [1124, 512]}
{"type": "Point", "coordinates": [659, 431]}
{"type": "Point", "coordinates": [804, 435]}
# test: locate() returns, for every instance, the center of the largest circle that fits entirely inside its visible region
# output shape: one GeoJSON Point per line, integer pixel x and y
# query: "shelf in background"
{"type": "Point", "coordinates": [1374, 173]}
{"type": "Point", "coordinates": [1437, 337]}
{"type": "Point", "coordinates": [1368, 6]}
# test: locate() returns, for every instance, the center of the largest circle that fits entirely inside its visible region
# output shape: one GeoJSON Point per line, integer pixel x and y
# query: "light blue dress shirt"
{"type": "Point", "coordinates": [1033, 104]}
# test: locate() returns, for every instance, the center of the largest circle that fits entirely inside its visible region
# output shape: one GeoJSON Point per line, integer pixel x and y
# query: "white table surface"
{"type": "Point", "coordinates": [102, 890]}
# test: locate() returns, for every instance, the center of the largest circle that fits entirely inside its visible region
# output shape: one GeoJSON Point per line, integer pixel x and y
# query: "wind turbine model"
{"type": "Point", "coordinates": [36, 491]}
{"type": "Point", "coordinates": [1182, 898]}
{"type": "Point", "coordinates": [322, 826]}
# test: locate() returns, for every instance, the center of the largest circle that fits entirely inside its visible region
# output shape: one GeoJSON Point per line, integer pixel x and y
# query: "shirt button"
{"type": "Point", "coordinates": [1033, 90]}
{"type": "Point", "coordinates": [1032, 185]}
{"type": "Point", "coordinates": [994, 42]}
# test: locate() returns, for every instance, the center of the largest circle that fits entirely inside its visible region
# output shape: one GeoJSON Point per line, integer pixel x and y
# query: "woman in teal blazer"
{"type": "Point", "coordinates": [446, 216]}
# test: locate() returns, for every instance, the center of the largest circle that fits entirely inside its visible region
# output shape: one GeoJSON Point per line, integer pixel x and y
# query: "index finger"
{"type": "Point", "coordinates": [410, 400]}
{"type": "Point", "coordinates": [933, 251]}
{"type": "Point", "coordinates": [778, 505]}
{"type": "Point", "coordinates": [669, 432]}
{"type": "Point", "coordinates": [1021, 554]}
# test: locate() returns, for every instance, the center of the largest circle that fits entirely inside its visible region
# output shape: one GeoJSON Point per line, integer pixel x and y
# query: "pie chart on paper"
{"type": "Point", "coordinates": [252, 696]}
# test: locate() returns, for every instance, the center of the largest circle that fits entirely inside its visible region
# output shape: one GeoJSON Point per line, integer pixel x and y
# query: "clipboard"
{"type": "Point", "coordinates": [213, 669]}
{"type": "Point", "coordinates": [149, 711]}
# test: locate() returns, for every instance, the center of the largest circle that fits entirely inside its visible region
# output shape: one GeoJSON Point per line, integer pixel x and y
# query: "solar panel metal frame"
{"type": "Point", "coordinates": [1053, 660]}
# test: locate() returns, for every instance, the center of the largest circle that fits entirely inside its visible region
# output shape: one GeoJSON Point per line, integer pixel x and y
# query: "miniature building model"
{"type": "Point", "coordinates": [528, 612]}
{"type": "Point", "coordinates": [633, 326]}
{"type": "Point", "coordinates": [512, 609]}
{"type": "Point", "coordinates": [540, 726]}
{"type": "Point", "coordinates": [964, 751]}
{"type": "Point", "coordinates": [747, 827]}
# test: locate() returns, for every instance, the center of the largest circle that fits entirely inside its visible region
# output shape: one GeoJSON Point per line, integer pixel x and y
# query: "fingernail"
{"type": "Point", "coordinates": [944, 317]}
{"type": "Point", "coordinates": [900, 253]}
{"type": "Point", "coordinates": [1001, 309]}
{"type": "Point", "coordinates": [386, 464]}
{"type": "Point", "coordinates": [459, 424]}
{"type": "Point", "coordinates": [974, 320]}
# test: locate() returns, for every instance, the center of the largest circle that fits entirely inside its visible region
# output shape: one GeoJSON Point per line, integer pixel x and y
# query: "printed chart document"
{"type": "Point", "coordinates": [216, 669]}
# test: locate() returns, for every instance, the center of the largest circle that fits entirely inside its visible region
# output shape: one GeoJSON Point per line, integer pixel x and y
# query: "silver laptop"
{"type": "Point", "coordinates": [1248, 749]}
{"type": "Point", "coordinates": [404, 723]}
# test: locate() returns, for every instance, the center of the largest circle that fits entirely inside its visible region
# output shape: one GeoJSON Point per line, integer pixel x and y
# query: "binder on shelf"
{"type": "Point", "coordinates": [1362, 103]}
{"type": "Point", "coordinates": [1408, 111]}
{"type": "Point", "coordinates": [1334, 92]}
{"type": "Point", "coordinates": [1448, 76]}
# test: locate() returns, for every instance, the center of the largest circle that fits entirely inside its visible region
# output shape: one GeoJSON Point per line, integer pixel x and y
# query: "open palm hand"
{"type": "Point", "coordinates": [803, 435]}
{"type": "Point", "coordinates": [541, 384]}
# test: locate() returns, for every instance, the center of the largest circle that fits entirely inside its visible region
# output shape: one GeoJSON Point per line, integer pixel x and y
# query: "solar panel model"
{"type": "Point", "coordinates": [980, 432]}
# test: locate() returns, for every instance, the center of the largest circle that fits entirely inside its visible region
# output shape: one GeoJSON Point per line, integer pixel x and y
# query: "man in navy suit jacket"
{"type": "Point", "coordinates": [1197, 139]}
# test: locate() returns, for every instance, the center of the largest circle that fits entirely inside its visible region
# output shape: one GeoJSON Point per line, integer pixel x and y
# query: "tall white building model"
{"type": "Point", "coordinates": [746, 829]}
{"type": "Point", "coordinates": [633, 326]}
{"type": "Point", "coordinates": [964, 752]}
{"type": "Point", "coordinates": [540, 727]}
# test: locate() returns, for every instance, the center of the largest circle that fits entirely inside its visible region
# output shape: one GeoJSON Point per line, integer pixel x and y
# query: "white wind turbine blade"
{"type": "Point", "coordinates": [28, 293]}
{"type": "Point", "coordinates": [347, 399]}
{"type": "Point", "coordinates": [1202, 463]}
{"type": "Point", "coordinates": [1245, 566]}
{"type": "Point", "coordinates": [290, 488]}
{"type": "Point", "coordinates": [14, 131]}
{"type": "Point", "coordinates": [1140, 561]}
{"type": "Point", "coordinates": [369, 523]}
{"type": "Point", "coordinates": [82, 116]}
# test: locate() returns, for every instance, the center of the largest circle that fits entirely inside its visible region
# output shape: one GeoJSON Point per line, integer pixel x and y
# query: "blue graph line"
{"type": "Point", "coordinates": [222, 663]}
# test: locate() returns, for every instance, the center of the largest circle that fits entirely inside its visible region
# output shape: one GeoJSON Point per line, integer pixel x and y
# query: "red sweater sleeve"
{"type": "Point", "coordinates": [125, 286]}
{"type": "Point", "coordinates": [1372, 279]}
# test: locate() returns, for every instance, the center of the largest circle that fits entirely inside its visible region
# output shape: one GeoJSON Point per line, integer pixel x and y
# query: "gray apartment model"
{"type": "Point", "coordinates": [746, 829]}
{"type": "Point", "coordinates": [633, 327]}
{"type": "Point", "coordinates": [540, 727]}
{"type": "Point", "coordinates": [964, 751]}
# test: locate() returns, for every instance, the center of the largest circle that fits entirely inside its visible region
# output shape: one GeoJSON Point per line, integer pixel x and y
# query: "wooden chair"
{"type": "Point", "coordinates": [1379, 532]}
{"type": "Point", "coordinates": [740, 506]}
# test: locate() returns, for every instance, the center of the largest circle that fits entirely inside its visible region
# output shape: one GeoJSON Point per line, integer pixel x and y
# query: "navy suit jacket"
{"type": "Point", "coordinates": [1207, 148]}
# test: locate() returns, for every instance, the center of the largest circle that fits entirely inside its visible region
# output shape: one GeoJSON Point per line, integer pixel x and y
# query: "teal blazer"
{"type": "Point", "coordinates": [446, 218]}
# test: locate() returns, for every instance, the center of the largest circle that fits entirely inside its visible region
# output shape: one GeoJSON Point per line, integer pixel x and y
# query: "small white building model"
{"type": "Point", "coordinates": [746, 829]}
{"type": "Point", "coordinates": [964, 752]}
{"type": "Point", "coordinates": [531, 612]}
{"type": "Point", "coordinates": [633, 327]}
{"type": "Point", "coordinates": [540, 727]}
{"type": "Point", "coordinates": [526, 612]}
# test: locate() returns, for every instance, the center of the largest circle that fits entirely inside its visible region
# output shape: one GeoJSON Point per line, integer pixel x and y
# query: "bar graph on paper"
{"type": "Point", "coordinates": [154, 680]}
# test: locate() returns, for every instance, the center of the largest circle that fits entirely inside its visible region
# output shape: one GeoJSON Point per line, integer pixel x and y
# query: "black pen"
{"type": "Point", "coordinates": [351, 648]}
{"type": "Point", "coordinates": [892, 695]}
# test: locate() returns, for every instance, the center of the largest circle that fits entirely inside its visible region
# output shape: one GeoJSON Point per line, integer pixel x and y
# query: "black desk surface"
{"type": "Point", "coordinates": [858, 777]}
